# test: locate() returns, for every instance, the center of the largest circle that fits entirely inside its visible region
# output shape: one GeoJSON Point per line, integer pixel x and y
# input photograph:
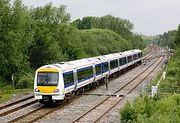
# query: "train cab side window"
{"type": "Point", "coordinates": [68, 79]}
{"type": "Point", "coordinates": [106, 67]}
{"type": "Point", "coordinates": [129, 59]}
{"type": "Point", "coordinates": [114, 64]}
{"type": "Point", "coordinates": [98, 69]}
{"type": "Point", "coordinates": [85, 73]}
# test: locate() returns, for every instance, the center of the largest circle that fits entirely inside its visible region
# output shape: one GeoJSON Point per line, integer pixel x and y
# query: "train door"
{"type": "Point", "coordinates": [75, 79]}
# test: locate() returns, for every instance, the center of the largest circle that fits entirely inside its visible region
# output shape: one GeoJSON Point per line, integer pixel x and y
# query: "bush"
{"type": "Point", "coordinates": [148, 110]}
{"type": "Point", "coordinates": [25, 81]}
{"type": "Point", "coordinates": [128, 113]}
{"type": "Point", "coordinates": [159, 117]}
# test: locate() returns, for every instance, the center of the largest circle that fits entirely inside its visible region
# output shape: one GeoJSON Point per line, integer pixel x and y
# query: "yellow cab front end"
{"type": "Point", "coordinates": [46, 84]}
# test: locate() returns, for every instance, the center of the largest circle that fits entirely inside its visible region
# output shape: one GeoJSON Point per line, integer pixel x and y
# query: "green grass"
{"type": "Point", "coordinates": [7, 92]}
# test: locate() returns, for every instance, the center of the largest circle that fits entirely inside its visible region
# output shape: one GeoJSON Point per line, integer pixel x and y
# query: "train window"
{"type": "Point", "coordinates": [114, 64]}
{"type": "Point", "coordinates": [85, 73]}
{"type": "Point", "coordinates": [47, 78]}
{"type": "Point", "coordinates": [121, 61]}
{"type": "Point", "coordinates": [106, 67]}
{"type": "Point", "coordinates": [129, 59]}
{"type": "Point", "coordinates": [135, 56]}
{"type": "Point", "coordinates": [125, 60]}
{"type": "Point", "coordinates": [68, 79]}
{"type": "Point", "coordinates": [98, 69]}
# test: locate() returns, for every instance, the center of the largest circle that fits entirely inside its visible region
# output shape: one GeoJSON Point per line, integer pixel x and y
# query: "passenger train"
{"type": "Point", "coordinates": [54, 82]}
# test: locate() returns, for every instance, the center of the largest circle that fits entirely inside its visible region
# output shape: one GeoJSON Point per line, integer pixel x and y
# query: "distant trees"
{"type": "Point", "coordinates": [169, 39]}
{"type": "Point", "coordinates": [102, 41]}
{"type": "Point", "coordinates": [137, 41]}
{"type": "Point", "coordinates": [34, 37]}
{"type": "Point", "coordinates": [118, 25]}
{"type": "Point", "coordinates": [122, 27]}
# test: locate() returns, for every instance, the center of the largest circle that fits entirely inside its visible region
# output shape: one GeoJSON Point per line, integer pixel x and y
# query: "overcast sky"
{"type": "Point", "coordinates": [150, 17]}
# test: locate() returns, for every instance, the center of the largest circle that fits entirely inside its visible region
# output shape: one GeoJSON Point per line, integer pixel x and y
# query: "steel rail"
{"type": "Point", "coordinates": [78, 118]}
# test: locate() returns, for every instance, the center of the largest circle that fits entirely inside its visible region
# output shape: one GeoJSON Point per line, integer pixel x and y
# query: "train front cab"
{"type": "Point", "coordinates": [48, 85]}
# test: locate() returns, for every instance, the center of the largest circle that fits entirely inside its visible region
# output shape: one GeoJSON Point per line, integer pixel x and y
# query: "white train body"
{"type": "Point", "coordinates": [54, 81]}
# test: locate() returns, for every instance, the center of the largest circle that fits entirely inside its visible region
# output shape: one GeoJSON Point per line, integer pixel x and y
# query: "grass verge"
{"type": "Point", "coordinates": [7, 92]}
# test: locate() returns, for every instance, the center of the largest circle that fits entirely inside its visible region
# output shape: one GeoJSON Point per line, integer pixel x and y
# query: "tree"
{"type": "Point", "coordinates": [102, 41]}
{"type": "Point", "coordinates": [122, 27]}
{"type": "Point", "coordinates": [177, 36]}
{"type": "Point", "coordinates": [16, 38]}
{"type": "Point", "coordinates": [85, 23]}
{"type": "Point", "coordinates": [118, 25]}
{"type": "Point", "coordinates": [45, 48]}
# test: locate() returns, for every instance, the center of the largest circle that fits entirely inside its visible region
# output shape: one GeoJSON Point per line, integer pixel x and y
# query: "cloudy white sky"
{"type": "Point", "coordinates": [150, 17]}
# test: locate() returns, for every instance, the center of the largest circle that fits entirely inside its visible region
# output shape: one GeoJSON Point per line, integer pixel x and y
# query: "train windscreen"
{"type": "Point", "coordinates": [47, 79]}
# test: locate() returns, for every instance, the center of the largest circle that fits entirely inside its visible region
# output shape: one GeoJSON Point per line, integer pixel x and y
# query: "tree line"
{"type": "Point", "coordinates": [32, 37]}
{"type": "Point", "coordinates": [169, 39]}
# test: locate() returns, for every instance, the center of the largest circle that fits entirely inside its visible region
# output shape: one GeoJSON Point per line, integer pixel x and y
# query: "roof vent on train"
{"type": "Point", "coordinates": [62, 63]}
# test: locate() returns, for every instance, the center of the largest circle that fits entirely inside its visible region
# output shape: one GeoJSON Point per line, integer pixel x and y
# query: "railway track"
{"type": "Point", "coordinates": [99, 110]}
{"type": "Point", "coordinates": [153, 51]}
{"type": "Point", "coordinates": [17, 101]}
{"type": "Point", "coordinates": [39, 111]}
{"type": "Point", "coordinates": [14, 108]}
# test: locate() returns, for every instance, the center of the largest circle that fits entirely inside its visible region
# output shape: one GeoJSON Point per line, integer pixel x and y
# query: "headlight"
{"type": "Point", "coordinates": [36, 90]}
{"type": "Point", "coordinates": [56, 91]}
